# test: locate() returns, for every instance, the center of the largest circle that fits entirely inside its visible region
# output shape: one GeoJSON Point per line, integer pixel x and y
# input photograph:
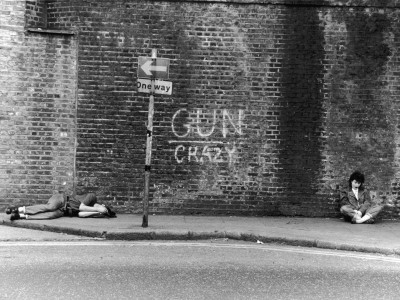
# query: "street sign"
{"type": "Point", "coordinates": [159, 68]}
{"type": "Point", "coordinates": [160, 87]}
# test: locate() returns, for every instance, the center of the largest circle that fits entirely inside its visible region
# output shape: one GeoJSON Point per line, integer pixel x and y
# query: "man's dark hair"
{"type": "Point", "coordinates": [357, 176]}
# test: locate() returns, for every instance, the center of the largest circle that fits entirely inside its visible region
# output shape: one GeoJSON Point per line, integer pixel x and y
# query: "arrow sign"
{"type": "Point", "coordinates": [157, 69]}
{"type": "Point", "coordinates": [147, 68]}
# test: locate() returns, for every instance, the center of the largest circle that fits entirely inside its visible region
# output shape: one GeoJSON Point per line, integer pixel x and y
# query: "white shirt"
{"type": "Point", "coordinates": [355, 191]}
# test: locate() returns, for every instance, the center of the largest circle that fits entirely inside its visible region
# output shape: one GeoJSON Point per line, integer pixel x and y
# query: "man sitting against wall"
{"type": "Point", "coordinates": [356, 204]}
{"type": "Point", "coordinates": [60, 205]}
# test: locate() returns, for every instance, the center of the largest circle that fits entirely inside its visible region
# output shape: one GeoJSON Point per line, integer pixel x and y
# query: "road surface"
{"type": "Point", "coordinates": [191, 270]}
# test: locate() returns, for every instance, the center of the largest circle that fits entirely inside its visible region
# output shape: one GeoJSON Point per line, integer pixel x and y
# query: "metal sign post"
{"type": "Point", "coordinates": [151, 71]}
{"type": "Point", "coordinates": [149, 140]}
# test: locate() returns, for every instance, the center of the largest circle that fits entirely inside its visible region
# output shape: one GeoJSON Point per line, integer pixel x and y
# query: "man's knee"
{"type": "Point", "coordinates": [90, 199]}
{"type": "Point", "coordinates": [374, 211]}
{"type": "Point", "coordinates": [55, 202]}
{"type": "Point", "coordinates": [345, 209]}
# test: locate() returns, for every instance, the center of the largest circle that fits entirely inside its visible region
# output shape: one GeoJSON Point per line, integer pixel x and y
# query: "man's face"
{"type": "Point", "coordinates": [355, 184]}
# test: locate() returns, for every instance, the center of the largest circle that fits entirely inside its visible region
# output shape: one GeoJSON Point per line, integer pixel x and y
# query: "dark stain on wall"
{"type": "Point", "coordinates": [366, 139]}
{"type": "Point", "coordinates": [301, 106]}
{"type": "Point", "coordinates": [367, 53]}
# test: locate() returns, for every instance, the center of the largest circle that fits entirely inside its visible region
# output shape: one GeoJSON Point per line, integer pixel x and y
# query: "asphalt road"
{"type": "Point", "coordinates": [187, 270]}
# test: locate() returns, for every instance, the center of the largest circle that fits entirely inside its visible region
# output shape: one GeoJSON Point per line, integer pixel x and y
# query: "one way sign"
{"type": "Point", "coordinates": [158, 69]}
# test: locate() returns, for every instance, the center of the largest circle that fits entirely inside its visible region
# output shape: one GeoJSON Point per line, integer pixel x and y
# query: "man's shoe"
{"type": "Point", "coordinates": [15, 216]}
{"type": "Point", "coordinates": [11, 209]}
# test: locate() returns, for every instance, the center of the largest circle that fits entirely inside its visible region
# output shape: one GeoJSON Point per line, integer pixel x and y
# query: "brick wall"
{"type": "Point", "coordinates": [36, 13]}
{"type": "Point", "coordinates": [274, 103]}
{"type": "Point", "coordinates": [38, 105]}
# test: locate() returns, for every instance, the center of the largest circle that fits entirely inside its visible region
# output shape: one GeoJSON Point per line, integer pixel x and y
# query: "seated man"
{"type": "Point", "coordinates": [356, 204]}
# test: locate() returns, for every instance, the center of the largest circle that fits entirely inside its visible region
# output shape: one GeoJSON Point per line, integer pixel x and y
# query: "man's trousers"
{"type": "Point", "coordinates": [52, 210]}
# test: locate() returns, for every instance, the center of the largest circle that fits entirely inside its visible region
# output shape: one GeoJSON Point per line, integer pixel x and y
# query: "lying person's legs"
{"type": "Point", "coordinates": [51, 210]}
{"type": "Point", "coordinates": [45, 215]}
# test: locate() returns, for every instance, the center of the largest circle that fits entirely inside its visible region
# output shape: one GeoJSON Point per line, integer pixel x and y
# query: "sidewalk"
{"type": "Point", "coordinates": [383, 237]}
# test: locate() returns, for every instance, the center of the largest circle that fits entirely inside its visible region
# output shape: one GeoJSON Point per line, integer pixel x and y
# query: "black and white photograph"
{"type": "Point", "coordinates": [200, 149]}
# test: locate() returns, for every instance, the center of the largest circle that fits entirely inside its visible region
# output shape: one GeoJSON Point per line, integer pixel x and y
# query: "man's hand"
{"type": "Point", "coordinates": [100, 208]}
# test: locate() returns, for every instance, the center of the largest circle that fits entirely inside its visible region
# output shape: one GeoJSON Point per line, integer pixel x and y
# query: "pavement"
{"type": "Point", "coordinates": [329, 233]}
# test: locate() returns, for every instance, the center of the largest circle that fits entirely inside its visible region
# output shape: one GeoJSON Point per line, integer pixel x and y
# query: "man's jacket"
{"type": "Point", "coordinates": [363, 202]}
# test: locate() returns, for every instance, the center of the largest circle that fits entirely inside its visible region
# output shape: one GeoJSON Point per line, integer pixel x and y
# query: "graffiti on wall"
{"type": "Point", "coordinates": [206, 136]}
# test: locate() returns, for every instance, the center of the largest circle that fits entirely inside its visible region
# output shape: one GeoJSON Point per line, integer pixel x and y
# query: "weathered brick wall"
{"type": "Point", "coordinates": [274, 102]}
{"type": "Point", "coordinates": [38, 104]}
{"type": "Point", "coordinates": [36, 13]}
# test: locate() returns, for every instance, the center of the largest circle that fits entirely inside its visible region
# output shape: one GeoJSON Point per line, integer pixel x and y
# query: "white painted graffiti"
{"type": "Point", "coordinates": [202, 154]}
{"type": "Point", "coordinates": [198, 127]}
{"type": "Point", "coordinates": [205, 125]}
